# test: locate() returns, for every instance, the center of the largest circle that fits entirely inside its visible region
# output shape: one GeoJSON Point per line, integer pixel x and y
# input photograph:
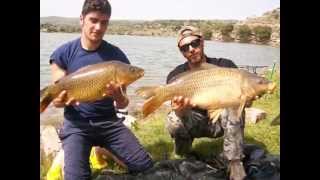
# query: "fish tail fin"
{"type": "Point", "coordinates": [154, 98]}
{"type": "Point", "coordinates": [147, 91]}
{"type": "Point", "coordinates": [47, 94]}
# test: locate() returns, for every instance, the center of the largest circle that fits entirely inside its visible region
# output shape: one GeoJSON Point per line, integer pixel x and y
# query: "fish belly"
{"type": "Point", "coordinates": [217, 96]}
{"type": "Point", "coordinates": [85, 90]}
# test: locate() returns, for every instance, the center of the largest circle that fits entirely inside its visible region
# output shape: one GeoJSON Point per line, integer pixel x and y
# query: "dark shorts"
{"type": "Point", "coordinates": [79, 137]}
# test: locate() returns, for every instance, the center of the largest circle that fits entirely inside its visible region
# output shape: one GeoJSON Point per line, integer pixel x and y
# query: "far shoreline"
{"type": "Point", "coordinates": [214, 40]}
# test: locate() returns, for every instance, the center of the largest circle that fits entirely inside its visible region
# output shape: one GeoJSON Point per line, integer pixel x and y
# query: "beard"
{"type": "Point", "coordinates": [196, 58]}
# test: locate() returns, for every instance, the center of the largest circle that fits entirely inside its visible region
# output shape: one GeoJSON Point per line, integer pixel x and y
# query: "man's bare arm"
{"type": "Point", "coordinates": [56, 72]}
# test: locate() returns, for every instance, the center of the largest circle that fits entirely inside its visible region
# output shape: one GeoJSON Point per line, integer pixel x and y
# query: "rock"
{"type": "Point", "coordinates": [254, 115]}
{"type": "Point", "coordinates": [126, 118]}
{"type": "Point", "coordinates": [49, 140]}
{"type": "Point", "coordinates": [129, 120]}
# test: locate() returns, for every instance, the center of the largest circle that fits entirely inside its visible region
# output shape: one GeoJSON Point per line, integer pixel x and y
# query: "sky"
{"type": "Point", "coordinates": [166, 9]}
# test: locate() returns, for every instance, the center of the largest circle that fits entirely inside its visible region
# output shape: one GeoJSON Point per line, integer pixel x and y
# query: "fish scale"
{"type": "Point", "coordinates": [199, 86]}
{"type": "Point", "coordinates": [200, 81]}
{"type": "Point", "coordinates": [87, 89]}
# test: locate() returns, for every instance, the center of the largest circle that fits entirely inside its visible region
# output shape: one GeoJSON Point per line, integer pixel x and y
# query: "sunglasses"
{"type": "Point", "coordinates": [195, 43]}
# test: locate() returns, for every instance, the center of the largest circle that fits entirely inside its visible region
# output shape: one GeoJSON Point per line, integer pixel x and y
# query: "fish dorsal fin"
{"type": "Point", "coordinates": [174, 78]}
{"type": "Point", "coordinates": [203, 66]}
{"type": "Point", "coordinates": [214, 114]}
{"type": "Point", "coordinates": [61, 79]}
{"type": "Point", "coordinates": [206, 65]}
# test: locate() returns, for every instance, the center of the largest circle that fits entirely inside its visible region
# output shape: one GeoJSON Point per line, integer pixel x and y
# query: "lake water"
{"type": "Point", "coordinates": [157, 55]}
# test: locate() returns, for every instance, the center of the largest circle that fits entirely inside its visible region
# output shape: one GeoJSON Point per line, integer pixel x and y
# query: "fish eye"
{"type": "Point", "coordinates": [132, 69]}
{"type": "Point", "coordinates": [263, 81]}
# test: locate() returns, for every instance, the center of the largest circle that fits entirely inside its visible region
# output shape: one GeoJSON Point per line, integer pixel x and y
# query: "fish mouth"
{"type": "Point", "coordinates": [141, 73]}
{"type": "Point", "coordinates": [271, 87]}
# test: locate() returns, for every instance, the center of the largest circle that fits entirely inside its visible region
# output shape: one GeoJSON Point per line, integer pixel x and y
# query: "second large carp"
{"type": "Point", "coordinates": [210, 88]}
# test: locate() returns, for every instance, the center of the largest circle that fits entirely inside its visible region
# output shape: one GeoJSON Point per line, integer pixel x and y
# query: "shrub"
{"type": "Point", "coordinates": [262, 33]}
{"type": "Point", "coordinates": [226, 29]}
{"type": "Point", "coordinates": [207, 33]}
{"type": "Point", "coordinates": [244, 33]}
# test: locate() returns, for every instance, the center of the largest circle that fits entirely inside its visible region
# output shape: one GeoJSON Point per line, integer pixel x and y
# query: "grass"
{"type": "Point", "coordinates": [263, 133]}
{"type": "Point", "coordinates": [45, 163]}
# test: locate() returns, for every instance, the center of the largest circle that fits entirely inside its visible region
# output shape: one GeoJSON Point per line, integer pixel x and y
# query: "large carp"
{"type": "Point", "coordinates": [212, 88]}
{"type": "Point", "coordinates": [88, 83]}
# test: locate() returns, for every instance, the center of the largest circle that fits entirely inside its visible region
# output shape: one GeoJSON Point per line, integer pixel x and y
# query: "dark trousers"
{"type": "Point", "coordinates": [196, 124]}
{"type": "Point", "coordinates": [79, 137]}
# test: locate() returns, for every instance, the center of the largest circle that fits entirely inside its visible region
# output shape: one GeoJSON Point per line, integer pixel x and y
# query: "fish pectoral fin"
{"type": "Point", "coordinates": [122, 91]}
{"type": "Point", "coordinates": [214, 114]}
{"type": "Point", "coordinates": [242, 105]}
{"type": "Point", "coordinates": [146, 91]}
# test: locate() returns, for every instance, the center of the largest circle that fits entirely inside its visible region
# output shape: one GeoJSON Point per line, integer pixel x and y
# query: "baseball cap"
{"type": "Point", "coordinates": [188, 31]}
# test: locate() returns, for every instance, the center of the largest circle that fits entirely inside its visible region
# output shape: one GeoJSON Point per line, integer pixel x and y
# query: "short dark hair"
{"type": "Point", "coordinates": [102, 6]}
